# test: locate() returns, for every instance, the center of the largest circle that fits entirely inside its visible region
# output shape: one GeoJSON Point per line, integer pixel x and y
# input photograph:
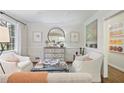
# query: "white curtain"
{"type": "Point", "coordinates": [22, 39]}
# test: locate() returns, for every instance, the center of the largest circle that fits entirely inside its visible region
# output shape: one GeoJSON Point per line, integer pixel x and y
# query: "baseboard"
{"type": "Point", "coordinates": [121, 69]}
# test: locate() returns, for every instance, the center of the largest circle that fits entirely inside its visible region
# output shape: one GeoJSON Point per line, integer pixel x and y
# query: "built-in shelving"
{"type": "Point", "coordinates": [116, 38]}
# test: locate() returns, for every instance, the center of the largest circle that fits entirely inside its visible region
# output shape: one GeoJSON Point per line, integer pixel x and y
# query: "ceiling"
{"type": "Point", "coordinates": [51, 16]}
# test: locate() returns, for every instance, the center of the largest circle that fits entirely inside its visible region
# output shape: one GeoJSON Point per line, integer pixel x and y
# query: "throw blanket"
{"type": "Point", "coordinates": [44, 77]}
{"type": "Point", "coordinates": [28, 77]}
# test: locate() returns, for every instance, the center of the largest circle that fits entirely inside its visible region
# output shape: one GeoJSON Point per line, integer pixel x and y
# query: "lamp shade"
{"type": "Point", "coordinates": [4, 34]}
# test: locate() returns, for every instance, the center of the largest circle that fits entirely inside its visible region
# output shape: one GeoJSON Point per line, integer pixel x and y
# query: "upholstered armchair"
{"type": "Point", "coordinates": [23, 64]}
{"type": "Point", "coordinates": [90, 63]}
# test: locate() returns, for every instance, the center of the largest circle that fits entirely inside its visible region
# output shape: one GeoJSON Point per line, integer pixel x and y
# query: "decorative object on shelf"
{"type": "Point", "coordinates": [83, 53]}
{"type": "Point", "coordinates": [120, 49]}
{"type": "Point", "coordinates": [74, 38]}
{"type": "Point", "coordinates": [47, 43]}
{"type": "Point", "coordinates": [116, 48]}
{"type": "Point", "coordinates": [81, 50]}
{"type": "Point", "coordinates": [61, 45]}
{"type": "Point", "coordinates": [76, 53]}
{"type": "Point", "coordinates": [110, 47]}
{"type": "Point", "coordinates": [37, 36]}
{"type": "Point", "coordinates": [4, 39]}
{"type": "Point", "coordinates": [91, 35]}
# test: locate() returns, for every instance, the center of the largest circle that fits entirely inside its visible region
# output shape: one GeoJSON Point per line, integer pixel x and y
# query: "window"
{"type": "Point", "coordinates": [11, 27]}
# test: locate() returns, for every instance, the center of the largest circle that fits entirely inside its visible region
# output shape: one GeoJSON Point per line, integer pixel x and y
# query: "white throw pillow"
{"type": "Point", "coordinates": [9, 58]}
{"type": "Point", "coordinates": [87, 59]}
{"type": "Point", "coordinates": [81, 58]}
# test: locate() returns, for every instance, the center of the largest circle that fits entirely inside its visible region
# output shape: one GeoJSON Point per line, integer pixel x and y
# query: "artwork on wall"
{"type": "Point", "coordinates": [74, 37]}
{"type": "Point", "coordinates": [37, 36]}
{"type": "Point", "coordinates": [91, 35]}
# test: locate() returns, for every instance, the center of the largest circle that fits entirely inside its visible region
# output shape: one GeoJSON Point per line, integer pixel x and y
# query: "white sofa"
{"type": "Point", "coordinates": [24, 63]}
{"type": "Point", "coordinates": [54, 78]}
{"type": "Point", "coordinates": [92, 66]}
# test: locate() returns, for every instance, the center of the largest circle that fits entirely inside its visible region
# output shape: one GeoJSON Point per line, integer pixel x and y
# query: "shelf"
{"type": "Point", "coordinates": [116, 52]}
{"type": "Point", "coordinates": [115, 45]}
{"type": "Point", "coordinates": [118, 35]}
{"type": "Point", "coordinates": [119, 38]}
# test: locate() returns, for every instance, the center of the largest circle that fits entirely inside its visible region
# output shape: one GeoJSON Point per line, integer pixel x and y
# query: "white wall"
{"type": "Point", "coordinates": [36, 49]}
{"type": "Point", "coordinates": [102, 35]}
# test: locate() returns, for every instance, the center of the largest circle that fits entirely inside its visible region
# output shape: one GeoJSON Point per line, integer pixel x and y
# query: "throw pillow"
{"type": "Point", "coordinates": [10, 58]}
{"type": "Point", "coordinates": [87, 59]}
{"type": "Point", "coordinates": [80, 58]}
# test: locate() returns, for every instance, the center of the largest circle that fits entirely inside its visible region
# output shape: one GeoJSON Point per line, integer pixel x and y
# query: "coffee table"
{"type": "Point", "coordinates": [50, 69]}
{"type": "Point", "coordinates": [40, 67]}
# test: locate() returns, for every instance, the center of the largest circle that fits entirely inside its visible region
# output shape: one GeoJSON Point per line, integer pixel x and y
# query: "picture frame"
{"type": "Point", "coordinates": [91, 34]}
{"type": "Point", "coordinates": [37, 36]}
{"type": "Point", "coordinates": [74, 37]}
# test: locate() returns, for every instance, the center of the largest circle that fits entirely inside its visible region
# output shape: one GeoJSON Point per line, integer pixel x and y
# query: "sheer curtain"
{"type": "Point", "coordinates": [22, 39]}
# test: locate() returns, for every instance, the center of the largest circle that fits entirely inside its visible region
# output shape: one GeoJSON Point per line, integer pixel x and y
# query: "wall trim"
{"type": "Point", "coordinates": [121, 69]}
{"type": "Point", "coordinates": [107, 18]}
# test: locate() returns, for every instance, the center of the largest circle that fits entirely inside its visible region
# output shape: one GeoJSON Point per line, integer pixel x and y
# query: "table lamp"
{"type": "Point", "coordinates": [4, 38]}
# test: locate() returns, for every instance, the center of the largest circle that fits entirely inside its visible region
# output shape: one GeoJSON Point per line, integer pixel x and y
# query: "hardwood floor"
{"type": "Point", "coordinates": [114, 76]}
